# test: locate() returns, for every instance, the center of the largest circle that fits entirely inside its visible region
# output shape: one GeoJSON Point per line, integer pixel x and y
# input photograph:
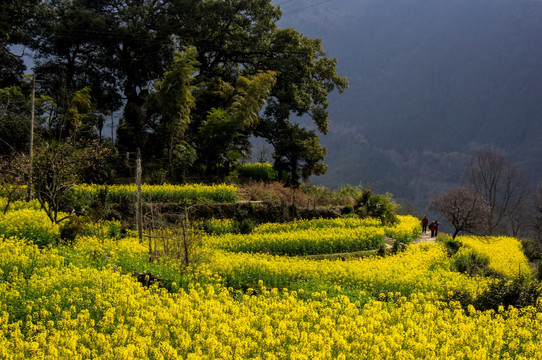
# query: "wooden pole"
{"type": "Point", "coordinates": [139, 206]}
{"type": "Point", "coordinates": [31, 141]}
{"type": "Point", "coordinates": [112, 126]}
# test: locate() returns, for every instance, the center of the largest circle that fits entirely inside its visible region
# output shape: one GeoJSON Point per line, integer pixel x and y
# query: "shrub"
{"type": "Point", "coordinates": [351, 216]}
{"type": "Point", "coordinates": [532, 249]}
{"type": "Point", "coordinates": [517, 292]}
{"type": "Point", "coordinates": [258, 172]}
{"type": "Point", "coordinates": [103, 229]}
{"type": "Point", "coordinates": [219, 226]}
{"type": "Point", "coordinates": [348, 209]}
{"type": "Point", "coordinates": [382, 250]}
{"type": "Point", "coordinates": [471, 262]}
{"type": "Point", "coordinates": [30, 224]}
{"type": "Point", "coordinates": [378, 206]}
{"type": "Point", "coordinates": [398, 247]}
{"type": "Point", "coordinates": [499, 295]}
{"type": "Point", "coordinates": [245, 226]}
{"type": "Point", "coordinates": [71, 229]}
{"type": "Point", "coordinates": [452, 245]}
{"type": "Point", "coordinates": [539, 271]}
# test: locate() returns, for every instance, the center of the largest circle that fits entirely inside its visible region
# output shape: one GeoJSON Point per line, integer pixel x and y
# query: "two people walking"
{"type": "Point", "coordinates": [433, 226]}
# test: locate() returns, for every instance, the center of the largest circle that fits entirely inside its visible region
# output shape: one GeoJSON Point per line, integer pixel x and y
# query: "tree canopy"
{"type": "Point", "coordinates": [195, 80]}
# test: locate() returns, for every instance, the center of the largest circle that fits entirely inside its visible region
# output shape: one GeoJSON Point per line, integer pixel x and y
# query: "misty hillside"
{"type": "Point", "coordinates": [430, 82]}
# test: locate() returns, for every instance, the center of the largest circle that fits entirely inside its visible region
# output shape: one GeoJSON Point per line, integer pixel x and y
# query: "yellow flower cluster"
{"type": "Point", "coordinates": [19, 204]}
{"type": "Point", "coordinates": [65, 312]}
{"type": "Point", "coordinates": [30, 224]}
{"type": "Point", "coordinates": [50, 309]}
{"type": "Point", "coordinates": [218, 226]}
{"type": "Point", "coordinates": [160, 193]}
{"type": "Point", "coordinates": [407, 229]}
{"type": "Point", "coordinates": [20, 258]}
{"type": "Point", "coordinates": [303, 242]}
{"type": "Point", "coordinates": [107, 251]}
{"type": "Point", "coordinates": [314, 224]}
{"type": "Point", "coordinates": [103, 228]}
{"type": "Point", "coordinates": [421, 268]}
{"type": "Point", "coordinates": [505, 255]}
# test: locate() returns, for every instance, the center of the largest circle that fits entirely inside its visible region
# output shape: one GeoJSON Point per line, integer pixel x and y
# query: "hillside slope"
{"type": "Point", "coordinates": [430, 82]}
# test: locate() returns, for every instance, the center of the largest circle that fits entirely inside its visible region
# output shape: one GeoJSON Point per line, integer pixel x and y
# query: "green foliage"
{"type": "Point", "coordinates": [71, 229]}
{"type": "Point", "coordinates": [517, 292]}
{"type": "Point", "coordinates": [173, 100]}
{"type": "Point", "coordinates": [378, 206]}
{"type": "Point", "coordinates": [245, 226]}
{"type": "Point", "coordinates": [471, 262]}
{"type": "Point", "coordinates": [14, 120]}
{"type": "Point", "coordinates": [15, 19]}
{"type": "Point", "coordinates": [347, 210]}
{"type": "Point", "coordinates": [205, 102]}
{"type": "Point", "coordinates": [398, 246]}
{"type": "Point", "coordinates": [451, 244]}
{"type": "Point", "coordinates": [501, 294]}
{"type": "Point", "coordinates": [29, 224]}
{"type": "Point", "coordinates": [219, 226]}
{"type": "Point", "coordinates": [532, 248]}
{"type": "Point", "coordinates": [258, 172]}
{"type": "Point", "coordinates": [324, 196]}
{"type": "Point", "coordinates": [223, 135]}
{"type": "Point", "coordinates": [55, 171]}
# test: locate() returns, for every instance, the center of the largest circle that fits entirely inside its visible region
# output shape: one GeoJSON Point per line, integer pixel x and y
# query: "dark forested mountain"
{"type": "Point", "coordinates": [430, 82]}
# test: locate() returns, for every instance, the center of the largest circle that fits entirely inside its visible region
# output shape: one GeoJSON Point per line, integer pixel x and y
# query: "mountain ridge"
{"type": "Point", "coordinates": [430, 83]}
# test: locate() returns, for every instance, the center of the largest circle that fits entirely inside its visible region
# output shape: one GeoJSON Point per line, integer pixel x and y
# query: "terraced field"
{"type": "Point", "coordinates": [256, 296]}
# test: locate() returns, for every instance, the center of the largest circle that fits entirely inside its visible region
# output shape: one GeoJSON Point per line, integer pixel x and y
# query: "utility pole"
{"type": "Point", "coordinates": [29, 197]}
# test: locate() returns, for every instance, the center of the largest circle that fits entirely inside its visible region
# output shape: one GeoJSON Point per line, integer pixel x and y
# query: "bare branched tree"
{"type": "Point", "coordinates": [537, 216]}
{"type": "Point", "coordinates": [465, 209]}
{"type": "Point", "coordinates": [503, 187]}
{"type": "Point", "coordinates": [55, 171]}
{"type": "Point", "coordinates": [171, 235]}
{"type": "Point", "coordinates": [13, 170]}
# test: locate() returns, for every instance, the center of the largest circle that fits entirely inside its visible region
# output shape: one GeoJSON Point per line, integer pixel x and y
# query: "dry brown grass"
{"type": "Point", "coordinates": [275, 191]}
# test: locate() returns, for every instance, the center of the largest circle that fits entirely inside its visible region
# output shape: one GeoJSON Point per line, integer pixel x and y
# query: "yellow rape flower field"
{"type": "Point", "coordinates": [82, 302]}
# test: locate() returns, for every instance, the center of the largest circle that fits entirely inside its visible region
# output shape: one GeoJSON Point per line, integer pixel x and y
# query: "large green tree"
{"type": "Point", "coordinates": [128, 48]}
{"type": "Point", "coordinates": [172, 104]}
{"type": "Point", "coordinates": [306, 78]}
{"type": "Point", "coordinates": [14, 16]}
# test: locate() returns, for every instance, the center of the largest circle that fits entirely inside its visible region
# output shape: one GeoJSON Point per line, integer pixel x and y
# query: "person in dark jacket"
{"type": "Point", "coordinates": [432, 227]}
{"type": "Point", "coordinates": [424, 224]}
{"type": "Point", "coordinates": [436, 227]}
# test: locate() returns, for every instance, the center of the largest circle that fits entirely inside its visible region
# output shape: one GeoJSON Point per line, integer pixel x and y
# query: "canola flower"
{"type": "Point", "coordinates": [304, 224]}
{"type": "Point", "coordinates": [505, 255]}
{"type": "Point", "coordinates": [303, 242]}
{"type": "Point", "coordinates": [52, 309]}
{"type": "Point", "coordinates": [218, 226]}
{"type": "Point", "coordinates": [19, 204]}
{"type": "Point", "coordinates": [62, 312]}
{"type": "Point", "coordinates": [159, 193]}
{"type": "Point", "coordinates": [407, 228]}
{"type": "Point", "coordinates": [421, 268]}
{"type": "Point", "coordinates": [33, 225]}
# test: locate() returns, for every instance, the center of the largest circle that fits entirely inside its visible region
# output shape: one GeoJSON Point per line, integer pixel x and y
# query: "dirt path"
{"type": "Point", "coordinates": [424, 237]}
